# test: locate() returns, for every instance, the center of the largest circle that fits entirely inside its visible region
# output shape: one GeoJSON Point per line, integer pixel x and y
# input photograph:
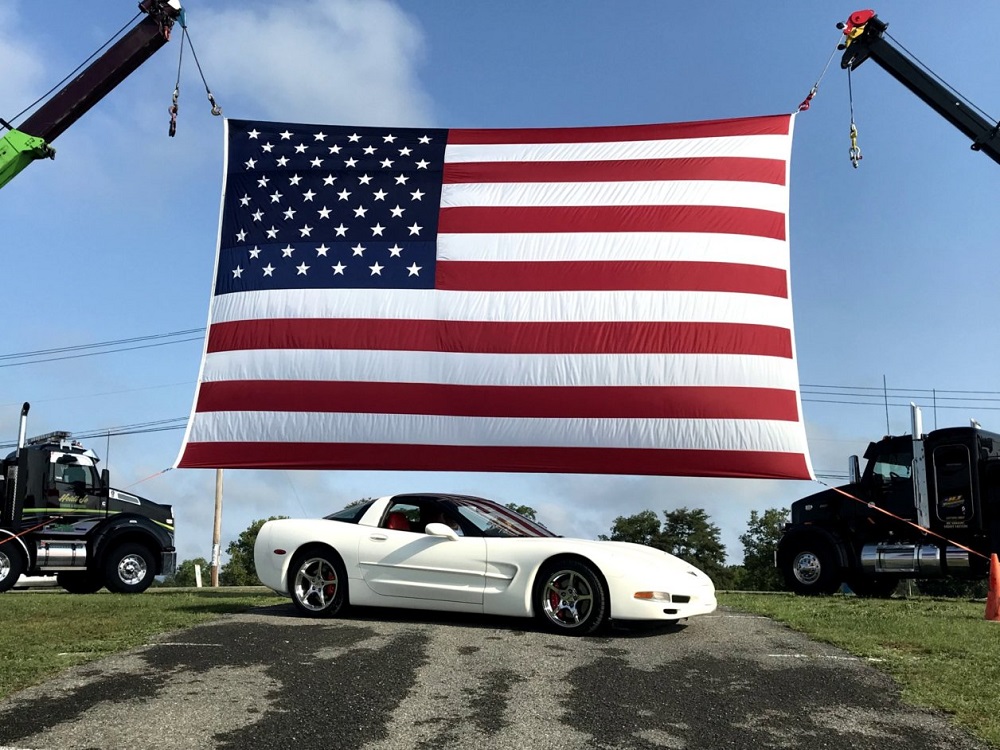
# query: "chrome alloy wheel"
{"type": "Point", "coordinates": [567, 598]}
{"type": "Point", "coordinates": [132, 569]}
{"type": "Point", "coordinates": [316, 584]}
{"type": "Point", "coordinates": [5, 566]}
{"type": "Point", "coordinates": [806, 568]}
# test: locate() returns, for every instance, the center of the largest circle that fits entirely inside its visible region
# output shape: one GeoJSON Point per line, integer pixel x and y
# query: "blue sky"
{"type": "Point", "coordinates": [894, 266]}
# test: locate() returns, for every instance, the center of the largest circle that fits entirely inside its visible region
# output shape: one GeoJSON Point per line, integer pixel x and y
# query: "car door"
{"type": "Point", "coordinates": [409, 565]}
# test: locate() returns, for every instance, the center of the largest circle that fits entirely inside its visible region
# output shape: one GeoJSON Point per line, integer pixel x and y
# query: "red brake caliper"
{"type": "Point", "coordinates": [554, 599]}
{"type": "Point", "coordinates": [329, 589]}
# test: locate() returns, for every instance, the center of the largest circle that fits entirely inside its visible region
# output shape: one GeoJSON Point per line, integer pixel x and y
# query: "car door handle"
{"type": "Point", "coordinates": [378, 537]}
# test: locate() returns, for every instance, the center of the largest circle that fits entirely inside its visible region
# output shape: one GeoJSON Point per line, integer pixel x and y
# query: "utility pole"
{"type": "Point", "coordinates": [217, 530]}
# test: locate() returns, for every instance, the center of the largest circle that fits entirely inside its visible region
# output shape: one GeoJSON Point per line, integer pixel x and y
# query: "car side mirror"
{"type": "Point", "coordinates": [441, 529]}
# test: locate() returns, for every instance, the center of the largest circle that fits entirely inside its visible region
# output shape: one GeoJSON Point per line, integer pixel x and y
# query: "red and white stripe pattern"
{"type": "Point", "coordinates": [606, 300]}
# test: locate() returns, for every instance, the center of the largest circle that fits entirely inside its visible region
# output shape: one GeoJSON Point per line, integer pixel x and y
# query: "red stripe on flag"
{"type": "Point", "coordinates": [550, 402]}
{"type": "Point", "coordinates": [543, 219]}
{"type": "Point", "coordinates": [545, 276]}
{"type": "Point", "coordinates": [771, 125]}
{"type": "Point", "coordinates": [391, 457]}
{"type": "Point", "coordinates": [492, 337]}
{"type": "Point", "coordinates": [728, 169]}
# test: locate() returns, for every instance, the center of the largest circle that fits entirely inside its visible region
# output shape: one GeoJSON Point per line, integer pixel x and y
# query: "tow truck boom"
{"type": "Point", "coordinates": [33, 139]}
{"type": "Point", "coordinates": [865, 34]}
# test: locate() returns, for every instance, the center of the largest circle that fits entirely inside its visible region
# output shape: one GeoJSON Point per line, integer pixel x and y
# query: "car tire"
{"type": "Point", "coordinates": [569, 598]}
{"type": "Point", "coordinates": [80, 581]}
{"type": "Point", "coordinates": [129, 569]}
{"type": "Point", "coordinates": [317, 582]}
{"type": "Point", "coordinates": [812, 569]}
{"type": "Point", "coordinates": [11, 564]}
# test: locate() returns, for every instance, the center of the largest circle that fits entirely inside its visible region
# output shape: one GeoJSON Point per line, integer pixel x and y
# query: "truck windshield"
{"type": "Point", "coordinates": [72, 479]}
{"type": "Point", "coordinates": [893, 466]}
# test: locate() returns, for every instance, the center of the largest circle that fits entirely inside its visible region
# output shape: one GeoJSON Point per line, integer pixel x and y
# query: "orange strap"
{"type": "Point", "coordinates": [146, 479]}
{"type": "Point", "coordinates": [28, 531]}
{"type": "Point", "coordinates": [910, 523]}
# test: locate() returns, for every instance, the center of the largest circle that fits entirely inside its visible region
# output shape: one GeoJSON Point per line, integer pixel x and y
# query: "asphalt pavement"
{"type": "Point", "coordinates": [387, 680]}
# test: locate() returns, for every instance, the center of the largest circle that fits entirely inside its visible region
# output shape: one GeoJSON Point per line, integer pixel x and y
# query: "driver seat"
{"type": "Point", "coordinates": [397, 521]}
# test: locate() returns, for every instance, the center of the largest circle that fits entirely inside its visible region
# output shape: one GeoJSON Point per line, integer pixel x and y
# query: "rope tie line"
{"type": "Point", "coordinates": [151, 476]}
{"type": "Point", "coordinates": [906, 521]}
{"type": "Point", "coordinates": [815, 88]}
{"type": "Point", "coordinates": [46, 522]}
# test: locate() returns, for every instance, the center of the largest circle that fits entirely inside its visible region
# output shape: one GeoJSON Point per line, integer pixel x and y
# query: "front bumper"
{"type": "Point", "coordinates": [168, 563]}
{"type": "Point", "coordinates": [688, 601]}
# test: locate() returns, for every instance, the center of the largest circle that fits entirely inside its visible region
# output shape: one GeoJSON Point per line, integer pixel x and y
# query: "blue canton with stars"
{"type": "Point", "coordinates": [329, 207]}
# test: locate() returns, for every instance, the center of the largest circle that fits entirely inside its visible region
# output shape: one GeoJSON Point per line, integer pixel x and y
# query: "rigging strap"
{"type": "Point", "coordinates": [855, 152]}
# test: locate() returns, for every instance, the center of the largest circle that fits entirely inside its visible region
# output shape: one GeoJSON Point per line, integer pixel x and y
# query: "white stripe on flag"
{"type": "Point", "coordinates": [660, 193]}
{"type": "Point", "coordinates": [429, 304]}
{"type": "Point", "coordinates": [402, 429]}
{"type": "Point", "coordinates": [754, 146]}
{"type": "Point", "coordinates": [623, 246]}
{"type": "Point", "coordinates": [723, 370]}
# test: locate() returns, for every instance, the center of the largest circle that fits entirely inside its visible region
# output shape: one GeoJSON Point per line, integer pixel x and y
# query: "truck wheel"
{"type": "Point", "coordinates": [129, 569]}
{"type": "Point", "coordinates": [812, 568]}
{"type": "Point", "coordinates": [11, 565]}
{"type": "Point", "coordinates": [79, 581]}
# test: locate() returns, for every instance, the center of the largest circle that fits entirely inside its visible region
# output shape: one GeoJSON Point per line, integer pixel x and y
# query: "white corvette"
{"type": "Point", "coordinates": [465, 554]}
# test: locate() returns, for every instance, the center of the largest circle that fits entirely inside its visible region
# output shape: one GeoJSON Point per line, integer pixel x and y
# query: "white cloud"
{"type": "Point", "coordinates": [315, 61]}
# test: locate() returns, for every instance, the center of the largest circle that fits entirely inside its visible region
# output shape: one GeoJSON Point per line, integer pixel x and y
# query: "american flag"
{"type": "Point", "coordinates": [599, 300]}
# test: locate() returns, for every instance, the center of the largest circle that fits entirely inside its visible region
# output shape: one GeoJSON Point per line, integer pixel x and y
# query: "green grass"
{"type": "Point", "coordinates": [942, 652]}
{"type": "Point", "coordinates": [45, 632]}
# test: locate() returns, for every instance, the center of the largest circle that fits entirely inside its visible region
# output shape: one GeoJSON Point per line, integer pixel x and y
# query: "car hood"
{"type": "Point", "coordinates": [627, 553]}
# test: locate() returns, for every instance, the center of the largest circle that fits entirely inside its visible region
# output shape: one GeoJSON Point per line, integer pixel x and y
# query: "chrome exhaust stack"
{"type": "Point", "coordinates": [22, 427]}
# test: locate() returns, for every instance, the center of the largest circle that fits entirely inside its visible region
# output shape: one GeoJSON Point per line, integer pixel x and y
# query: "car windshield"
{"type": "Point", "coordinates": [493, 519]}
{"type": "Point", "coordinates": [352, 513]}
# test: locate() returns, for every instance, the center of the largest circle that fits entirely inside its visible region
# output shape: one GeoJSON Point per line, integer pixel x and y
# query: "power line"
{"type": "Point", "coordinates": [849, 392]}
{"type": "Point", "coordinates": [115, 342]}
{"type": "Point", "coordinates": [138, 428]}
{"type": "Point", "coordinates": [895, 391]}
{"type": "Point", "coordinates": [40, 356]}
{"type": "Point", "coordinates": [900, 404]}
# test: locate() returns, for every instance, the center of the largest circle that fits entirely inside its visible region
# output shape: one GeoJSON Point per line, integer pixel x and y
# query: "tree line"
{"type": "Point", "coordinates": [687, 533]}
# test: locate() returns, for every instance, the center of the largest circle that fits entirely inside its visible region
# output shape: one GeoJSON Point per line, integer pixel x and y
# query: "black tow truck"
{"type": "Point", "coordinates": [925, 505]}
{"type": "Point", "coordinates": [59, 515]}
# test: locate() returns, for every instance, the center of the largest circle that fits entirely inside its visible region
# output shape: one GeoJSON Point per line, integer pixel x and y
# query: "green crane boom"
{"type": "Point", "coordinates": [19, 147]}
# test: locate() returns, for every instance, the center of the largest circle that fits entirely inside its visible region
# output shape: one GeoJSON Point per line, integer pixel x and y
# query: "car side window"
{"type": "Point", "coordinates": [401, 517]}
{"type": "Point", "coordinates": [352, 513]}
